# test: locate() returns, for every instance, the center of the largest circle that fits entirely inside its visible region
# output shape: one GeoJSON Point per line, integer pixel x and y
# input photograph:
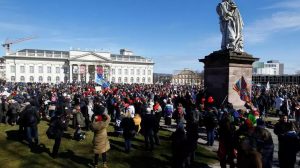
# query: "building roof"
{"type": "Point", "coordinates": [40, 51]}
{"type": "Point", "coordinates": [184, 72]}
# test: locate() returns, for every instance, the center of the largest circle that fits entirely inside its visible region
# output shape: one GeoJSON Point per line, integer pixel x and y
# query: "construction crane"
{"type": "Point", "coordinates": [7, 44]}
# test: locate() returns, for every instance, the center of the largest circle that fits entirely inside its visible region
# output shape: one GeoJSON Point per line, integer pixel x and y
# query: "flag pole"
{"type": "Point", "coordinates": [224, 100]}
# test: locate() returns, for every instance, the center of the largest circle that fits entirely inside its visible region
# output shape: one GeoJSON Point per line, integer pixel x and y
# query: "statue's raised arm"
{"type": "Point", "coordinates": [231, 25]}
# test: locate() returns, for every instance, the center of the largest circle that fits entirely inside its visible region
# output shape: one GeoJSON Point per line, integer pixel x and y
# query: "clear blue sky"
{"type": "Point", "coordinates": [175, 33]}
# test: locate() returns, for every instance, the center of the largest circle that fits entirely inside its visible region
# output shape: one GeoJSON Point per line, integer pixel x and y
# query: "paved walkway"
{"type": "Point", "coordinates": [214, 148]}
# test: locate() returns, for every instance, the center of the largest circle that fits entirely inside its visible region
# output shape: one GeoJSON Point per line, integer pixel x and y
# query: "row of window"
{"type": "Point", "coordinates": [138, 80]}
{"type": "Point", "coordinates": [132, 72]}
{"type": "Point", "coordinates": [31, 79]}
{"type": "Point", "coordinates": [31, 69]}
{"type": "Point", "coordinates": [187, 76]}
{"type": "Point", "coordinates": [186, 81]}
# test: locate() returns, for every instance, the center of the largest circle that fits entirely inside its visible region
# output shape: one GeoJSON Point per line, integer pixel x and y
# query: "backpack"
{"type": "Point", "coordinates": [168, 111]}
{"type": "Point", "coordinates": [51, 132]}
{"type": "Point", "coordinates": [30, 118]}
{"type": "Point", "coordinates": [53, 127]}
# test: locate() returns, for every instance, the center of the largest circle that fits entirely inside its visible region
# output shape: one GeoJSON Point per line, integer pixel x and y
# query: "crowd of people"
{"type": "Point", "coordinates": [244, 140]}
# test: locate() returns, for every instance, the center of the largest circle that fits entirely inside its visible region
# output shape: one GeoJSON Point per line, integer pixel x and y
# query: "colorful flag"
{"type": "Point", "coordinates": [242, 89]}
{"type": "Point", "coordinates": [100, 77]}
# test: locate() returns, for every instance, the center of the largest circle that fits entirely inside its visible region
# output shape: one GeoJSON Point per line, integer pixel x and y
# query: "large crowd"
{"type": "Point", "coordinates": [244, 139]}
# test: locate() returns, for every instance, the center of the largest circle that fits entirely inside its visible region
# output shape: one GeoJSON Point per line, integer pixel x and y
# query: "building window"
{"type": "Point", "coordinates": [57, 70]}
{"type": "Point", "coordinates": [126, 71]}
{"type": "Point", "coordinates": [132, 72]}
{"type": "Point", "coordinates": [113, 71]}
{"type": "Point", "coordinates": [131, 80]}
{"type": "Point", "coordinates": [48, 69]}
{"type": "Point", "coordinates": [143, 80]}
{"type": "Point", "coordinates": [125, 80]}
{"type": "Point", "coordinates": [119, 80]}
{"type": "Point", "coordinates": [40, 79]}
{"type": "Point", "coordinates": [113, 79]}
{"type": "Point", "coordinates": [144, 72]}
{"type": "Point", "coordinates": [137, 80]}
{"type": "Point", "coordinates": [13, 69]}
{"type": "Point", "coordinates": [13, 78]}
{"type": "Point", "coordinates": [120, 71]}
{"type": "Point", "coordinates": [31, 69]}
{"type": "Point", "coordinates": [138, 71]}
{"type": "Point", "coordinates": [57, 79]}
{"type": "Point", "coordinates": [22, 69]}
{"type": "Point", "coordinates": [41, 69]}
{"type": "Point", "coordinates": [149, 72]}
{"type": "Point", "coordinates": [22, 79]}
{"type": "Point", "coordinates": [149, 80]}
{"type": "Point", "coordinates": [49, 79]}
{"type": "Point", "coordinates": [31, 79]}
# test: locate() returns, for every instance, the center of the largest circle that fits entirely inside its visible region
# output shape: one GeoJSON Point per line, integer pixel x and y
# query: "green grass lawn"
{"type": "Point", "coordinates": [75, 154]}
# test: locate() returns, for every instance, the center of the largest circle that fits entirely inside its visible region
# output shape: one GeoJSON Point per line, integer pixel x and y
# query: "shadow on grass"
{"type": "Point", "coordinates": [67, 136]}
{"type": "Point", "coordinates": [199, 165]}
{"type": "Point", "coordinates": [69, 154]}
{"type": "Point", "coordinates": [202, 155]}
{"type": "Point", "coordinates": [114, 134]}
{"type": "Point", "coordinates": [147, 162]}
{"type": "Point", "coordinates": [41, 148]}
{"type": "Point", "coordinates": [13, 135]}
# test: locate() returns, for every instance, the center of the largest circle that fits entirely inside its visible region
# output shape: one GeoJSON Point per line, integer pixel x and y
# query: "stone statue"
{"type": "Point", "coordinates": [231, 25]}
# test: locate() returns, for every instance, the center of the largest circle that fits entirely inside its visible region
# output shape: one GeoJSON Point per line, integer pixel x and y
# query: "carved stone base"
{"type": "Point", "coordinates": [221, 71]}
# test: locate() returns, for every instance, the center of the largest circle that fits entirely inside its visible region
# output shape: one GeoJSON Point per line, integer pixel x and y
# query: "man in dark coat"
{"type": "Point", "coordinates": [264, 143]}
{"type": "Point", "coordinates": [127, 124]}
{"type": "Point", "coordinates": [280, 129]}
{"type": "Point", "coordinates": [148, 124]}
{"type": "Point", "coordinates": [59, 123]}
{"type": "Point", "coordinates": [30, 120]}
{"type": "Point", "coordinates": [179, 150]}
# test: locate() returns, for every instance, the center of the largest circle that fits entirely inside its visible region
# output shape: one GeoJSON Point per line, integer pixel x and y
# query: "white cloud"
{"type": "Point", "coordinates": [290, 4]}
{"type": "Point", "coordinates": [6, 26]}
{"type": "Point", "coordinates": [260, 30]}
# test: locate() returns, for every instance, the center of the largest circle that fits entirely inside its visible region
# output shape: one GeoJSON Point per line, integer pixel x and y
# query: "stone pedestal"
{"type": "Point", "coordinates": [222, 69]}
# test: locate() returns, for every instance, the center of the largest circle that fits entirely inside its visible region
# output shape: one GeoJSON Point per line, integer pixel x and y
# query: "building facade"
{"type": "Point", "coordinates": [48, 66]}
{"type": "Point", "coordinates": [187, 77]}
{"type": "Point", "coordinates": [276, 79]}
{"type": "Point", "coordinates": [159, 78]}
{"type": "Point", "coordinates": [2, 69]}
{"type": "Point", "coordinates": [272, 67]}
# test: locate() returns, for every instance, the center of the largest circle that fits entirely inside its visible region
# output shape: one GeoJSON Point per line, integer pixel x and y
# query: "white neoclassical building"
{"type": "Point", "coordinates": [48, 66]}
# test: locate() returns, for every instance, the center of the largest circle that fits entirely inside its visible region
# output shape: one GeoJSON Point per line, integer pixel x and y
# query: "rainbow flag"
{"type": "Point", "coordinates": [241, 88]}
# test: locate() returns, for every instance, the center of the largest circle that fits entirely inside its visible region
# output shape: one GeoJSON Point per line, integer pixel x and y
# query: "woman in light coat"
{"type": "Point", "coordinates": [100, 140]}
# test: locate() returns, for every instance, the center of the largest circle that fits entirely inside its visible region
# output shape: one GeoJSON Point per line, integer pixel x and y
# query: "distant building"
{"type": "Point", "coordinates": [160, 78]}
{"type": "Point", "coordinates": [187, 77]}
{"type": "Point", "coordinates": [276, 79]}
{"type": "Point", "coordinates": [272, 67]}
{"type": "Point", "coordinates": [2, 68]}
{"type": "Point", "coordinates": [50, 66]}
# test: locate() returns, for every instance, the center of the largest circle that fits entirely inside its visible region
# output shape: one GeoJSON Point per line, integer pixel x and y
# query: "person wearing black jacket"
{"type": "Point", "coordinates": [264, 143]}
{"type": "Point", "coordinates": [127, 124]}
{"type": "Point", "coordinates": [148, 123]}
{"type": "Point", "coordinates": [280, 129]}
{"type": "Point", "coordinates": [59, 124]}
{"type": "Point", "coordinates": [30, 120]}
{"type": "Point", "coordinates": [179, 150]}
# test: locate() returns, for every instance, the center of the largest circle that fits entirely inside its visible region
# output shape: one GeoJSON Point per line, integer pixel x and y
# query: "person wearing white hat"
{"type": "Point", "coordinates": [148, 122]}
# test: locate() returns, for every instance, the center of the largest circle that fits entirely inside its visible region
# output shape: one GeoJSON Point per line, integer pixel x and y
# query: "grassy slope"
{"type": "Point", "coordinates": [14, 153]}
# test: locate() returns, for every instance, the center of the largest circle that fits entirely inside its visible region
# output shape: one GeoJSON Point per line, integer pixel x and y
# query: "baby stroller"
{"type": "Point", "coordinates": [79, 134]}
